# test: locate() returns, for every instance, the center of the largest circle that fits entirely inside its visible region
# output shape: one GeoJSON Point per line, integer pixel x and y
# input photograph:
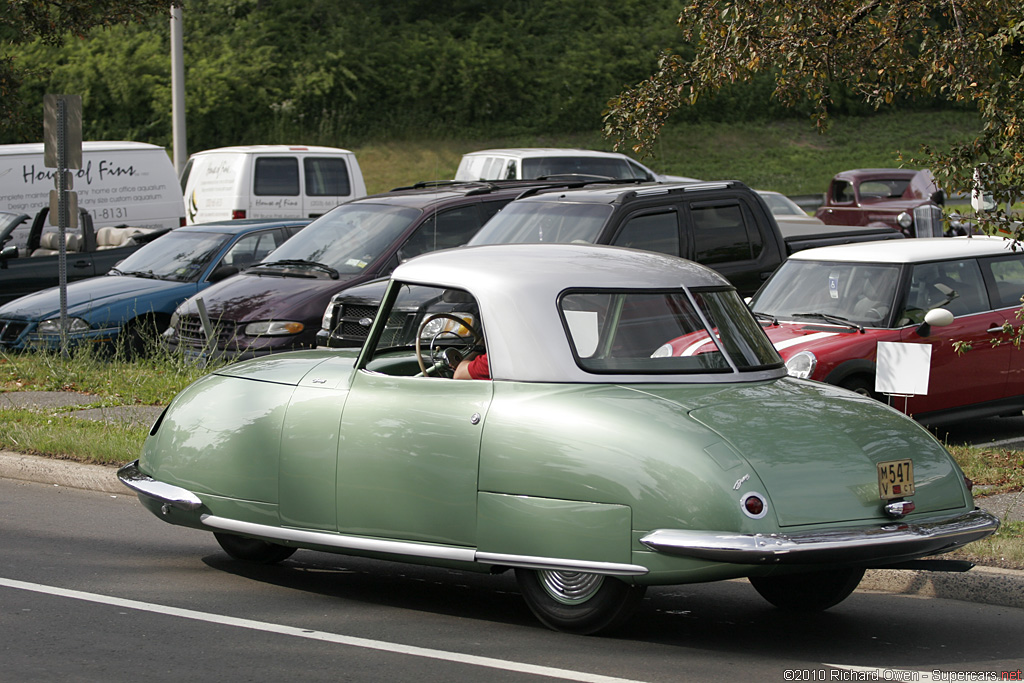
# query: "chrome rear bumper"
{"type": "Point", "coordinates": [168, 494]}
{"type": "Point", "coordinates": [885, 542]}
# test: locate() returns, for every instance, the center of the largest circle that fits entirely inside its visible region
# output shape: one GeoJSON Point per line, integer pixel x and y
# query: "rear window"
{"type": "Point", "coordinates": [276, 176]}
{"type": "Point", "coordinates": [530, 222]}
{"type": "Point", "coordinates": [540, 167]}
{"type": "Point", "coordinates": [326, 177]}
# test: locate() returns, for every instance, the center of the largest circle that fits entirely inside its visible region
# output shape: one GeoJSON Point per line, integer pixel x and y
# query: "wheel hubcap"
{"type": "Point", "coordinates": [570, 588]}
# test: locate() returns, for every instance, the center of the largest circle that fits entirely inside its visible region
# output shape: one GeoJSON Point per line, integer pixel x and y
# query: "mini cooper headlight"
{"type": "Point", "coordinates": [446, 325]}
{"type": "Point", "coordinates": [52, 326]}
{"type": "Point", "coordinates": [273, 328]}
{"type": "Point", "coordinates": [663, 351]}
{"type": "Point", "coordinates": [905, 220]}
{"type": "Point", "coordinates": [801, 364]}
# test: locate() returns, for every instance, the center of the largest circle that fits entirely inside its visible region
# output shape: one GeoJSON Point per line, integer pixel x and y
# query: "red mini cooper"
{"type": "Point", "coordinates": [827, 309]}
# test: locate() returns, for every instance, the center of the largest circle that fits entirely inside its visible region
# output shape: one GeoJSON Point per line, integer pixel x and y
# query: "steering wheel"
{"type": "Point", "coordinates": [436, 364]}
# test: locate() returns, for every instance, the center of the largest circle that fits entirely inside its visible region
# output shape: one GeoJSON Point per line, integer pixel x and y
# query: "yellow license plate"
{"type": "Point", "coordinates": [895, 479]}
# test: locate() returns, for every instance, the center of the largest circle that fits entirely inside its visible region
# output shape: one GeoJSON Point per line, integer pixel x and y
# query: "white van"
{"type": "Point", "coordinates": [540, 162]}
{"type": "Point", "coordinates": [120, 183]}
{"type": "Point", "coordinates": [269, 181]}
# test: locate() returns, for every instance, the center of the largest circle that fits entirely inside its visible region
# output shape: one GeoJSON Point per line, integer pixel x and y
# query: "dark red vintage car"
{"type": "Point", "coordinates": [905, 200]}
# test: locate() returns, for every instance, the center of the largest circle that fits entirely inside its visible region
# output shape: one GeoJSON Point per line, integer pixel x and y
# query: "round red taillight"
{"type": "Point", "coordinates": [754, 505]}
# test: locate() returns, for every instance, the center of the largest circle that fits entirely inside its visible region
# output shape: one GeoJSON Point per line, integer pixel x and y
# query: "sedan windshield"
{"type": "Point", "coordinates": [178, 256]}
{"type": "Point", "coordinates": [837, 293]}
{"type": "Point", "coordinates": [345, 240]}
{"type": "Point", "coordinates": [530, 222]}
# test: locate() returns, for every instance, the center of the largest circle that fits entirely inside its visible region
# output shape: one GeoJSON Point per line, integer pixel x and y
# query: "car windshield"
{"type": "Point", "coordinates": [181, 256]}
{"type": "Point", "coordinates": [541, 167]}
{"type": "Point", "coordinates": [857, 293]}
{"type": "Point", "coordinates": [529, 222]}
{"type": "Point", "coordinates": [664, 332]}
{"type": "Point", "coordinates": [346, 240]}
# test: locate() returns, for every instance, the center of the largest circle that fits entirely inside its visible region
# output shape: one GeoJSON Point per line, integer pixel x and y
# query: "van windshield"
{"type": "Point", "coordinates": [528, 222]}
{"type": "Point", "coordinates": [347, 239]}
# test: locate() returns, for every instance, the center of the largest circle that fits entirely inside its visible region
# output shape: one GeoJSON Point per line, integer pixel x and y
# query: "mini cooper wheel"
{"type": "Point", "coordinates": [253, 549]}
{"type": "Point", "coordinates": [808, 592]}
{"type": "Point", "coordinates": [578, 602]}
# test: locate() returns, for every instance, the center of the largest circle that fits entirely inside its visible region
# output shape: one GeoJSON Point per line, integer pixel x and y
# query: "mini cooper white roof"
{"type": "Point", "coordinates": [918, 250]}
{"type": "Point", "coordinates": [517, 287]}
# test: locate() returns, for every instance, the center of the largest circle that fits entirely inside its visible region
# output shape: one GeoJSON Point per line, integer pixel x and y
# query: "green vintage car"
{"type": "Point", "coordinates": [589, 464]}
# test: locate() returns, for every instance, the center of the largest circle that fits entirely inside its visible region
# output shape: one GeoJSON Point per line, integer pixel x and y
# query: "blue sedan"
{"type": "Point", "coordinates": [136, 298]}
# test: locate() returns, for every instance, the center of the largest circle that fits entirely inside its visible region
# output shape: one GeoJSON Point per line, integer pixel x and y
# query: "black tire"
{"type": "Point", "coordinates": [808, 592]}
{"type": "Point", "coordinates": [578, 602]}
{"type": "Point", "coordinates": [253, 549]}
{"type": "Point", "coordinates": [860, 384]}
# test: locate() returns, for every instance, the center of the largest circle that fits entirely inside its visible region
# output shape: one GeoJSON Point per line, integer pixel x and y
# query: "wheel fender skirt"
{"type": "Point", "coordinates": [860, 545]}
{"type": "Point", "coordinates": [168, 494]}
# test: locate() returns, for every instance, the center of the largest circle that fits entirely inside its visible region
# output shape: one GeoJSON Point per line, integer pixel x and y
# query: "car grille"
{"type": "Point", "coordinates": [351, 323]}
{"type": "Point", "coordinates": [10, 330]}
{"type": "Point", "coordinates": [928, 221]}
{"type": "Point", "coordinates": [191, 333]}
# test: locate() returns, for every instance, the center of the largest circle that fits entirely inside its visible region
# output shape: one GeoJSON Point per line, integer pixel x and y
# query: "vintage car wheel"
{"type": "Point", "coordinates": [578, 602]}
{"type": "Point", "coordinates": [253, 550]}
{"type": "Point", "coordinates": [808, 592]}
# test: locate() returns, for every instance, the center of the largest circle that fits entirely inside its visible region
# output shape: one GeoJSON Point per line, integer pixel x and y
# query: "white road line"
{"type": "Point", "coordinates": [473, 660]}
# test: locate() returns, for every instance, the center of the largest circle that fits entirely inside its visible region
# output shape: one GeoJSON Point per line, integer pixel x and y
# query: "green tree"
{"type": "Point", "coordinates": [967, 52]}
{"type": "Point", "coordinates": [52, 22]}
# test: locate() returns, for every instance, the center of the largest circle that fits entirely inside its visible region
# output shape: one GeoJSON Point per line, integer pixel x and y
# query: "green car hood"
{"type": "Point", "coordinates": [815, 448]}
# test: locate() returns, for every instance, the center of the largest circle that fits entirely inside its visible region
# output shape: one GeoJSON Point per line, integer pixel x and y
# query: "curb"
{"type": "Point", "coordinates": [988, 585]}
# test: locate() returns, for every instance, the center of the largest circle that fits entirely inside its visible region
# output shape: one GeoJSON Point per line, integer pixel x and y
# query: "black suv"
{"type": "Point", "coordinates": [725, 225]}
{"type": "Point", "coordinates": [278, 304]}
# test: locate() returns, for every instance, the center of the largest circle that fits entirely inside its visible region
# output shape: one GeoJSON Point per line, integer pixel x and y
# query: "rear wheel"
{"type": "Point", "coordinates": [578, 602]}
{"type": "Point", "coordinates": [812, 592]}
{"type": "Point", "coordinates": [253, 549]}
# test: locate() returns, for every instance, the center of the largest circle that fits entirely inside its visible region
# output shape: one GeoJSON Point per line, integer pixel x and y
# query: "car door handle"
{"type": "Point", "coordinates": [995, 330]}
{"type": "Point", "coordinates": [81, 264]}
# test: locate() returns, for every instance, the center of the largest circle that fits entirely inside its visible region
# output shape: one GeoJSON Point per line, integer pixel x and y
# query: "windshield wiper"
{"type": "Point", "coordinates": [334, 274]}
{"type": "Point", "coordinates": [148, 274]}
{"type": "Point", "coordinates": [766, 316]}
{"type": "Point", "coordinates": [845, 322]}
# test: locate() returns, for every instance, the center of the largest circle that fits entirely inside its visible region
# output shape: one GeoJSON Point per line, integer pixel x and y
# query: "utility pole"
{"type": "Point", "coordinates": [180, 147]}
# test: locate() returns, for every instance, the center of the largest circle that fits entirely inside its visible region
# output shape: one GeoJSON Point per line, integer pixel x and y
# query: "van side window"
{"type": "Point", "coordinates": [720, 235]}
{"type": "Point", "coordinates": [1006, 275]}
{"type": "Point", "coordinates": [443, 231]}
{"type": "Point", "coordinates": [276, 176]}
{"type": "Point", "coordinates": [326, 177]}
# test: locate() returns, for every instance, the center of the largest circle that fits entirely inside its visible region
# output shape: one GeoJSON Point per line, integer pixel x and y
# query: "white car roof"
{"type": "Point", "coordinates": [275, 149]}
{"type": "Point", "coordinates": [523, 152]}
{"type": "Point", "coordinates": [914, 250]}
{"type": "Point", "coordinates": [517, 287]}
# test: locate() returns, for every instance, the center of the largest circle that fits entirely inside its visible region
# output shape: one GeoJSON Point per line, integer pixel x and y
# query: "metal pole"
{"type": "Point", "coordinates": [178, 91]}
{"type": "Point", "coordinates": [62, 223]}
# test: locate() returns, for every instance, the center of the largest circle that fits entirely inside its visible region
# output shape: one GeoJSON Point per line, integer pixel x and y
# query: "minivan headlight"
{"type": "Point", "coordinates": [273, 328]}
{"type": "Point", "coordinates": [801, 365]}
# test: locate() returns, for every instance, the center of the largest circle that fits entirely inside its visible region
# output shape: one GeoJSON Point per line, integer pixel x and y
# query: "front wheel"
{"type": "Point", "coordinates": [808, 592]}
{"type": "Point", "coordinates": [578, 602]}
{"type": "Point", "coordinates": [253, 549]}
{"type": "Point", "coordinates": [860, 384]}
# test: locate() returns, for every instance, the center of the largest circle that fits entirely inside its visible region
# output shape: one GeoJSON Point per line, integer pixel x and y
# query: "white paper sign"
{"type": "Point", "coordinates": [903, 369]}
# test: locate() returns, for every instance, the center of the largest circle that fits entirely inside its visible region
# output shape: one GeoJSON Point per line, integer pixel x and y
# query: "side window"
{"type": "Point", "coordinates": [442, 231]}
{"type": "Point", "coordinates": [1006, 277]}
{"type": "Point", "coordinates": [721, 234]}
{"type": "Point", "coordinates": [651, 232]}
{"type": "Point", "coordinates": [326, 177]}
{"type": "Point", "coordinates": [252, 248]}
{"type": "Point", "coordinates": [510, 172]}
{"type": "Point", "coordinates": [276, 176]}
{"type": "Point", "coordinates": [953, 285]}
{"type": "Point", "coordinates": [842, 192]}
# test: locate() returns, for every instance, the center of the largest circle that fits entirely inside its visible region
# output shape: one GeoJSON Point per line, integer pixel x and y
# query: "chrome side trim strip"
{"type": "Point", "coordinates": [560, 564]}
{"type": "Point", "coordinates": [145, 485]}
{"type": "Point", "coordinates": [861, 544]}
{"type": "Point", "coordinates": [324, 538]}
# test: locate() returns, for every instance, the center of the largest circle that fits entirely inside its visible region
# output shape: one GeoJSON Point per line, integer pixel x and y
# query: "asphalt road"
{"type": "Point", "coordinates": [93, 587]}
{"type": "Point", "coordinates": [1001, 432]}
